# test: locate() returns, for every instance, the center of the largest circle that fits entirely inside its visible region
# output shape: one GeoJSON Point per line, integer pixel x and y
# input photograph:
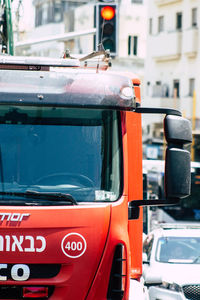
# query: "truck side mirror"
{"type": "Point", "coordinates": [177, 130]}
{"type": "Point", "coordinates": [178, 133]}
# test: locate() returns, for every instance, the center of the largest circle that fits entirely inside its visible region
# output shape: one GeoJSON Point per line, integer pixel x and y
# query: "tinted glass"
{"type": "Point", "coordinates": [178, 250]}
{"type": "Point", "coordinates": [70, 151]}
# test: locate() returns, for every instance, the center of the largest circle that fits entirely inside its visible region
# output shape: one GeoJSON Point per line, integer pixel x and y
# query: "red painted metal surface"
{"type": "Point", "coordinates": [83, 238]}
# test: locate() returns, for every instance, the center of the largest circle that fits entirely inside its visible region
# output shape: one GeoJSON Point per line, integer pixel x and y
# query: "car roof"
{"type": "Point", "coordinates": [177, 230]}
{"type": "Point", "coordinates": [181, 233]}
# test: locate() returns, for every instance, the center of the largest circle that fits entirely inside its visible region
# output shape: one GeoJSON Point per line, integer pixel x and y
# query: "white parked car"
{"type": "Point", "coordinates": [171, 263]}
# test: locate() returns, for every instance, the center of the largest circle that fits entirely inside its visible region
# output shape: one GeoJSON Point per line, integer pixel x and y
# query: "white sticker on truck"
{"type": "Point", "coordinates": [19, 272]}
{"type": "Point", "coordinates": [73, 245]}
{"type": "Point", "coordinates": [13, 243]}
{"type": "Point", "coordinates": [13, 217]}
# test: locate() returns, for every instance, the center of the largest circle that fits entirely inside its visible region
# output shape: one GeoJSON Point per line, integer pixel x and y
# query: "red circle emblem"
{"type": "Point", "coordinates": [73, 245]}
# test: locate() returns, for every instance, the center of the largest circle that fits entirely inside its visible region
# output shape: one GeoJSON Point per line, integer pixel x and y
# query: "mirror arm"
{"type": "Point", "coordinates": [177, 133]}
{"type": "Point", "coordinates": [152, 202]}
{"type": "Point", "coordinates": [155, 110]}
{"type": "Point", "coordinates": [134, 206]}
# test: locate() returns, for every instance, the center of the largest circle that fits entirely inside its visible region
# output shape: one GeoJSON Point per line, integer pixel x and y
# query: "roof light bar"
{"type": "Point", "coordinates": [38, 61]}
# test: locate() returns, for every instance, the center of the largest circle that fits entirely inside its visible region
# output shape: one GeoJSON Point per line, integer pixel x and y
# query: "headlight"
{"type": "Point", "coordinates": [127, 92]}
{"type": "Point", "coordinates": [171, 286]}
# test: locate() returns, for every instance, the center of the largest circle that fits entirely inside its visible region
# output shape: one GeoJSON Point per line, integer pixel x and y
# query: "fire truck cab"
{"type": "Point", "coordinates": [71, 179]}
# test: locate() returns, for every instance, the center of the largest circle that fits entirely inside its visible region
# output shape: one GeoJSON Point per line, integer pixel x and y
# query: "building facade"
{"type": "Point", "coordinates": [47, 22]}
{"type": "Point", "coordinates": [53, 18]}
{"type": "Point", "coordinates": [172, 75]}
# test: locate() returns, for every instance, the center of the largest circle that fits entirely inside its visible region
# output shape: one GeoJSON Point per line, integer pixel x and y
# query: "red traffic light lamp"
{"type": "Point", "coordinates": [108, 12]}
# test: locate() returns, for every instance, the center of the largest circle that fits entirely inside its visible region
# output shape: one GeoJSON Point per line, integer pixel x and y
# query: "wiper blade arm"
{"type": "Point", "coordinates": [51, 196]}
{"type": "Point", "coordinates": [42, 195]}
{"type": "Point", "coordinates": [196, 259]}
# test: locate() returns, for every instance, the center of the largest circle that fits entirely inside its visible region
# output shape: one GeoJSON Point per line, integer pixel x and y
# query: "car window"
{"type": "Point", "coordinates": [178, 250]}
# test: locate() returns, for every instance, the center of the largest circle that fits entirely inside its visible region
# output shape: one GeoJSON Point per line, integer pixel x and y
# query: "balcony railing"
{"type": "Point", "coordinates": [190, 42]}
{"type": "Point", "coordinates": [166, 2]}
{"type": "Point", "coordinates": [166, 45]}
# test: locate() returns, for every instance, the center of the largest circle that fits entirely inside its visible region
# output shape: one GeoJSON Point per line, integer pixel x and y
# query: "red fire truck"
{"type": "Point", "coordinates": [71, 179]}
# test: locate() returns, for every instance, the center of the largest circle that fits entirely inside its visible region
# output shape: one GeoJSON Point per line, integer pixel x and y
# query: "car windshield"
{"type": "Point", "coordinates": [178, 250]}
{"type": "Point", "coordinates": [59, 151]}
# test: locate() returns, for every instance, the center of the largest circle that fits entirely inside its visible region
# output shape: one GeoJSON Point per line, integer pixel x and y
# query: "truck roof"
{"type": "Point", "coordinates": [62, 83]}
{"type": "Point", "coordinates": [34, 61]}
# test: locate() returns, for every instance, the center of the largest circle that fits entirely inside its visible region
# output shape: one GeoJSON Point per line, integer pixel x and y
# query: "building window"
{"type": "Point", "coordinates": [135, 45]}
{"type": "Point", "coordinates": [45, 13]}
{"type": "Point", "coordinates": [58, 11]}
{"type": "Point", "coordinates": [160, 24]}
{"type": "Point", "coordinates": [132, 45]}
{"type": "Point", "coordinates": [157, 89]}
{"type": "Point", "coordinates": [179, 20]}
{"type": "Point", "coordinates": [191, 86]}
{"type": "Point", "coordinates": [176, 88]}
{"type": "Point", "coordinates": [148, 87]}
{"type": "Point", "coordinates": [49, 13]}
{"type": "Point", "coordinates": [165, 90]}
{"type": "Point", "coordinates": [137, 1]}
{"type": "Point", "coordinates": [150, 26]}
{"type": "Point", "coordinates": [194, 17]}
{"type": "Point", "coordinates": [38, 15]}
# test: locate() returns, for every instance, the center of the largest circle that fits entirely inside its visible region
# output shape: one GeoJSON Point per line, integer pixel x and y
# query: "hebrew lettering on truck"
{"type": "Point", "coordinates": [71, 178]}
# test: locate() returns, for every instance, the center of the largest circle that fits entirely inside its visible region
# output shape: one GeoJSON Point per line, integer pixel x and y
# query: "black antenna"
{"type": "Point", "coordinates": [101, 40]}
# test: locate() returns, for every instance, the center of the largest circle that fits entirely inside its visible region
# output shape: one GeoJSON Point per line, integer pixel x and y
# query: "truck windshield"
{"type": "Point", "coordinates": [59, 151]}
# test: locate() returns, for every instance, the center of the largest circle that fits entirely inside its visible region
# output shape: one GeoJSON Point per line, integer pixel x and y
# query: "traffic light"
{"type": "Point", "coordinates": [107, 27]}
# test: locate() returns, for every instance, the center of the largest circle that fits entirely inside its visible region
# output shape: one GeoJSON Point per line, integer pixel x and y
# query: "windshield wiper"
{"type": "Point", "coordinates": [42, 196]}
{"type": "Point", "coordinates": [196, 259]}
